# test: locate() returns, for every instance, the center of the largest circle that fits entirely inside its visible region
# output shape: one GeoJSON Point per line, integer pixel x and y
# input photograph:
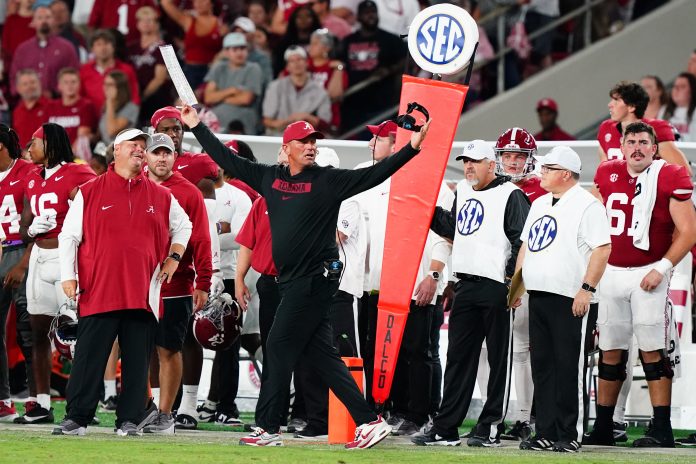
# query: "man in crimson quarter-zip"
{"type": "Point", "coordinates": [122, 230]}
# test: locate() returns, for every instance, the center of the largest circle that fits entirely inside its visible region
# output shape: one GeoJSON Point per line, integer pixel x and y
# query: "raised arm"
{"type": "Point", "coordinates": [250, 173]}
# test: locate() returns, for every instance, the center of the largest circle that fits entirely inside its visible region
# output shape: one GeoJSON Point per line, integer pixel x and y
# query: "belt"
{"type": "Point", "coordinates": [8, 245]}
{"type": "Point", "coordinates": [470, 277]}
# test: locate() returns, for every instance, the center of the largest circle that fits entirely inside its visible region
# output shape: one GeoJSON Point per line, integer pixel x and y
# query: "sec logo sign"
{"type": "Point", "coordinates": [442, 38]}
{"type": "Point", "coordinates": [470, 217]}
{"type": "Point", "coordinates": [542, 233]}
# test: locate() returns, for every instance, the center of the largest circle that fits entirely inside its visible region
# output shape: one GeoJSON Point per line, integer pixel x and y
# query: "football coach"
{"type": "Point", "coordinates": [120, 226]}
{"type": "Point", "coordinates": [303, 203]}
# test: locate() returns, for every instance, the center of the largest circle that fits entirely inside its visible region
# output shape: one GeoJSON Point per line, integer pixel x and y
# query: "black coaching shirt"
{"type": "Point", "coordinates": [303, 209]}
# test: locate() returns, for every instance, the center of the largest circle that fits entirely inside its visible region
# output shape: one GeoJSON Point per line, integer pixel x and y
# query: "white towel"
{"type": "Point", "coordinates": [643, 204]}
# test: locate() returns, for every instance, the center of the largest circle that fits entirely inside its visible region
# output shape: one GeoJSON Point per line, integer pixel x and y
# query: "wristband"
{"type": "Point", "coordinates": [175, 256]}
{"type": "Point", "coordinates": [663, 266]}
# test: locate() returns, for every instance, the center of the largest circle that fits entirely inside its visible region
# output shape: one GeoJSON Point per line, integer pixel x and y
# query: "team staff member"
{"type": "Point", "coordinates": [633, 296]}
{"type": "Point", "coordinates": [48, 191]}
{"type": "Point", "coordinates": [13, 267]}
{"type": "Point", "coordinates": [564, 252]}
{"type": "Point", "coordinates": [120, 226]}
{"type": "Point", "coordinates": [304, 198]}
{"type": "Point", "coordinates": [180, 296]}
{"type": "Point", "coordinates": [486, 239]}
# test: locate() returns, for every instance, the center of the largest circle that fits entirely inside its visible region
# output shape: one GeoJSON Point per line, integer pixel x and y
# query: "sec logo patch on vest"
{"type": "Point", "coordinates": [441, 38]}
{"type": "Point", "coordinates": [470, 217]}
{"type": "Point", "coordinates": [542, 233]}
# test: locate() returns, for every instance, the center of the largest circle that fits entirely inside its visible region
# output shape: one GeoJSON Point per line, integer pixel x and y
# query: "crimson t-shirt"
{"type": "Point", "coordinates": [25, 121]}
{"type": "Point", "coordinates": [80, 114]}
{"type": "Point", "coordinates": [609, 136]}
{"type": "Point", "coordinates": [255, 234]}
{"type": "Point", "coordinates": [531, 186]}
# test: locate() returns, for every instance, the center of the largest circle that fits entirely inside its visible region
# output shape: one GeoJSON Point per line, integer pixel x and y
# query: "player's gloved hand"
{"type": "Point", "coordinates": [217, 286]}
{"type": "Point", "coordinates": [41, 225]}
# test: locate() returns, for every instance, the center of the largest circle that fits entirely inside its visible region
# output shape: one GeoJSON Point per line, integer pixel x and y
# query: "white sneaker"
{"type": "Point", "coordinates": [369, 434]}
{"type": "Point", "coordinates": [259, 437]}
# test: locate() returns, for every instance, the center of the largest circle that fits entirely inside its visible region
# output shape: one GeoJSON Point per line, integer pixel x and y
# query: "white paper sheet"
{"type": "Point", "coordinates": [183, 88]}
{"type": "Point", "coordinates": [153, 296]}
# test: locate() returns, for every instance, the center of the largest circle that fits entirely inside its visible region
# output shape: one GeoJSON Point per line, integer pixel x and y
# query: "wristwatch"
{"type": "Point", "coordinates": [434, 274]}
{"type": "Point", "coordinates": [587, 287]}
{"type": "Point", "coordinates": [175, 256]}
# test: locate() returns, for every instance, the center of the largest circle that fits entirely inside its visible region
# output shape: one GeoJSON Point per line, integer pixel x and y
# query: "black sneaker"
{"type": "Point", "coordinates": [312, 433]}
{"type": "Point", "coordinates": [521, 431]}
{"type": "Point", "coordinates": [468, 434]}
{"type": "Point", "coordinates": [599, 437]}
{"type": "Point", "coordinates": [688, 441]}
{"type": "Point", "coordinates": [109, 405]}
{"type": "Point", "coordinates": [69, 427]}
{"type": "Point", "coordinates": [395, 421]}
{"type": "Point", "coordinates": [536, 444]}
{"type": "Point", "coordinates": [95, 421]}
{"type": "Point", "coordinates": [205, 413]}
{"type": "Point", "coordinates": [228, 418]}
{"type": "Point", "coordinates": [129, 429]}
{"type": "Point", "coordinates": [37, 415]}
{"type": "Point", "coordinates": [620, 435]}
{"type": "Point", "coordinates": [434, 439]}
{"type": "Point", "coordinates": [566, 446]}
{"type": "Point", "coordinates": [656, 438]}
{"type": "Point", "coordinates": [185, 422]}
{"type": "Point", "coordinates": [407, 428]}
{"type": "Point", "coordinates": [483, 442]}
{"type": "Point", "coordinates": [296, 424]}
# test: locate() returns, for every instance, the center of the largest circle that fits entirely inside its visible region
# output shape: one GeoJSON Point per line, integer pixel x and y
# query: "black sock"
{"type": "Point", "coordinates": [662, 416]}
{"type": "Point", "coordinates": [605, 417]}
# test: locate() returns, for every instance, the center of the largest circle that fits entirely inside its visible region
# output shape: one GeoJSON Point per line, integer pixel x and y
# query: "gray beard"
{"type": "Point", "coordinates": [472, 183]}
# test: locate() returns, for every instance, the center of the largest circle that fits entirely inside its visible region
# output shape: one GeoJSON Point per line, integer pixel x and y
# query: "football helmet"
{"type": "Point", "coordinates": [218, 325]}
{"type": "Point", "coordinates": [516, 140]}
{"type": "Point", "coordinates": [63, 329]}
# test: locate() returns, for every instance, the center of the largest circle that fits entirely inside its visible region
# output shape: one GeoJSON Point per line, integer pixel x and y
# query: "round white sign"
{"type": "Point", "coordinates": [441, 39]}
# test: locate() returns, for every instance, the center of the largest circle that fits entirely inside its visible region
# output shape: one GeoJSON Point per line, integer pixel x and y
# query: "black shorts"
{"type": "Point", "coordinates": [171, 330]}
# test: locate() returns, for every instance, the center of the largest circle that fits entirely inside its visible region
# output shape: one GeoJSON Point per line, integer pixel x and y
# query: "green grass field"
{"type": "Point", "coordinates": [215, 444]}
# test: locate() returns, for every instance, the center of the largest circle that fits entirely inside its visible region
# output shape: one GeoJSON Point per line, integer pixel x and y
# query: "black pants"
{"type": "Point", "coordinates": [302, 328]}
{"type": "Point", "coordinates": [479, 311]}
{"type": "Point", "coordinates": [410, 393]}
{"type": "Point", "coordinates": [435, 362]}
{"type": "Point", "coordinates": [556, 339]}
{"type": "Point", "coordinates": [135, 330]}
{"type": "Point", "coordinates": [269, 299]}
{"type": "Point", "coordinates": [11, 256]}
{"type": "Point", "coordinates": [369, 347]}
{"type": "Point", "coordinates": [316, 392]}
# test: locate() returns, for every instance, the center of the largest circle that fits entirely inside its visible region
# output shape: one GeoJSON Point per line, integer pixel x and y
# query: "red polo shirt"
{"type": "Point", "coordinates": [255, 234]}
{"type": "Point", "coordinates": [93, 82]}
{"type": "Point", "coordinates": [555, 134]}
{"type": "Point", "coordinates": [25, 121]}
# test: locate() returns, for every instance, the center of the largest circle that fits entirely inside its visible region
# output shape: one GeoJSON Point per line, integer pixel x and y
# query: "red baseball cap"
{"type": "Point", "coordinates": [164, 113]}
{"type": "Point", "coordinates": [232, 144]}
{"type": "Point", "coordinates": [300, 130]}
{"type": "Point", "coordinates": [383, 129]}
{"type": "Point", "coordinates": [548, 103]}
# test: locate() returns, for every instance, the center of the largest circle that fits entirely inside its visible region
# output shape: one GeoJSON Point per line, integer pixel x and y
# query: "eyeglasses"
{"type": "Point", "coordinates": [546, 169]}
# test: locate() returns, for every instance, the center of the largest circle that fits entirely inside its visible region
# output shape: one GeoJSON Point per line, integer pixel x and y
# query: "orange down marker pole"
{"type": "Point", "coordinates": [341, 424]}
{"type": "Point", "coordinates": [414, 190]}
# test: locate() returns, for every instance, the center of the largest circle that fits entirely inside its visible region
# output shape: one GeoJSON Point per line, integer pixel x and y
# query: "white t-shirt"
{"type": "Point", "coordinates": [680, 121]}
{"type": "Point", "coordinates": [233, 206]}
{"type": "Point", "coordinates": [395, 16]}
{"type": "Point", "coordinates": [354, 248]}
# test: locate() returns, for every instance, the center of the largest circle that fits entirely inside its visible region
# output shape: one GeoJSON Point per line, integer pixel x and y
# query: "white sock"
{"type": "Point", "coordinates": [44, 400]}
{"type": "Point", "coordinates": [109, 388]}
{"type": "Point", "coordinates": [482, 374]}
{"type": "Point", "coordinates": [155, 395]}
{"type": "Point", "coordinates": [31, 399]}
{"type": "Point", "coordinates": [189, 398]}
{"type": "Point", "coordinates": [524, 386]}
{"type": "Point", "coordinates": [620, 409]}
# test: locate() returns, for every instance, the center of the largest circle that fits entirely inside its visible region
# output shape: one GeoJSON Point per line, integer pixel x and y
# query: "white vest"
{"type": "Point", "coordinates": [480, 245]}
{"type": "Point", "coordinates": [556, 258]}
